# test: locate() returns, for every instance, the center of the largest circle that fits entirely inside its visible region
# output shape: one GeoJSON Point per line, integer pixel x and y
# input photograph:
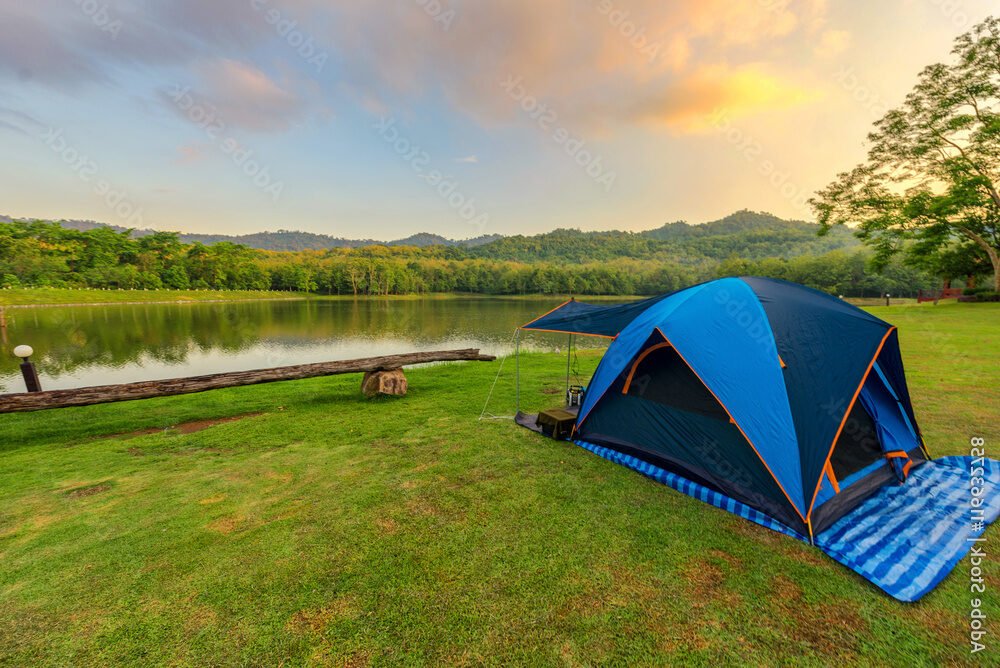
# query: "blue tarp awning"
{"type": "Point", "coordinates": [575, 317]}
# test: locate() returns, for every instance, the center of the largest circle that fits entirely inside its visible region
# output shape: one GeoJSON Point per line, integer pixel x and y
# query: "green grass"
{"type": "Point", "coordinates": [330, 530]}
{"type": "Point", "coordinates": [54, 296]}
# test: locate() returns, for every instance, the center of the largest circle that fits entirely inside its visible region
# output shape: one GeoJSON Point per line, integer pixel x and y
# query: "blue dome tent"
{"type": "Point", "coordinates": [788, 407]}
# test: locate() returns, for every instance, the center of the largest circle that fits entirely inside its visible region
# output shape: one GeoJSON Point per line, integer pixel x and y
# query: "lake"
{"type": "Point", "coordinates": [96, 345]}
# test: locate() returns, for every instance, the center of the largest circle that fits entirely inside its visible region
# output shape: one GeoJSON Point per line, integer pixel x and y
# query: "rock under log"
{"type": "Point", "coordinates": [391, 382]}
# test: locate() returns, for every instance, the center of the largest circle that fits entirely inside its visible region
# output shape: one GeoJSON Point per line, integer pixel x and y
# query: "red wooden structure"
{"type": "Point", "coordinates": [942, 293]}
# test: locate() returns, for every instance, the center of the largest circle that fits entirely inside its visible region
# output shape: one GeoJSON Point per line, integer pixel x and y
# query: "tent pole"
{"type": "Point", "coordinates": [569, 352]}
{"type": "Point", "coordinates": [517, 372]}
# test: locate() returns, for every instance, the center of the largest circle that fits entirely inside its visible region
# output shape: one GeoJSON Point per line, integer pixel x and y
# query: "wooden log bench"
{"type": "Point", "coordinates": [383, 375]}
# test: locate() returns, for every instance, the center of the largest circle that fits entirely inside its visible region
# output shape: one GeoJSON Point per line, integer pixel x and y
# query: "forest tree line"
{"type": "Point", "coordinates": [38, 254]}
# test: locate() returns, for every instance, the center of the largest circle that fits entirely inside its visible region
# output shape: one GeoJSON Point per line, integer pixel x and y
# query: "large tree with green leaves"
{"type": "Point", "coordinates": [933, 168]}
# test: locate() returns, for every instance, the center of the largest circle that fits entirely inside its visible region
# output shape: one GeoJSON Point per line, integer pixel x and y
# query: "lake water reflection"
{"type": "Point", "coordinates": [95, 345]}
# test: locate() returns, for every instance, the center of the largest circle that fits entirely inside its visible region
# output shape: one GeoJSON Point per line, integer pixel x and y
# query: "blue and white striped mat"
{"type": "Point", "coordinates": [907, 538]}
{"type": "Point", "coordinates": [692, 489]}
{"type": "Point", "coordinates": [904, 538]}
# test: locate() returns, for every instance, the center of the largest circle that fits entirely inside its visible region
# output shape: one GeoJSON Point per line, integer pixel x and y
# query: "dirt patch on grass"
{"type": "Point", "coordinates": [230, 524]}
{"type": "Point", "coordinates": [832, 629]}
{"type": "Point", "coordinates": [605, 587]}
{"type": "Point", "coordinates": [387, 525]}
{"type": "Point", "coordinates": [786, 589]}
{"type": "Point", "coordinates": [944, 626]}
{"type": "Point", "coordinates": [279, 477]}
{"type": "Point", "coordinates": [198, 617]}
{"type": "Point", "coordinates": [218, 498]}
{"type": "Point", "coordinates": [423, 507]}
{"type": "Point", "coordinates": [735, 563]}
{"type": "Point", "coordinates": [318, 619]}
{"type": "Point", "coordinates": [83, 492]}
{"type": "Point", "coordinates": [705, 584]}
{"type": "Point", "coordinates": [326, 656]}
{"type": "Point", "coordinates": [183, 428]}
{"type": "Point", "coordinates": [755, 531]}
{"type": "Point", "coordinates": [806, 554]}
{"type": "Point", "coordinates": [357, 660]}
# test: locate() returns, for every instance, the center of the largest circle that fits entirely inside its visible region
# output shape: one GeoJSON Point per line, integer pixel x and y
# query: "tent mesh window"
{"type": "Point", "coordinates": [858, 444]}
{"type": "Point", "coordinates": [660, 375]}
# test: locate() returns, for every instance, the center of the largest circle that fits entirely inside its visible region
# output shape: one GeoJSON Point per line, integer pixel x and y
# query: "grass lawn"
{"type": "Point", "coordinates": [52, 296]}
{"type": "Point", "coordinates": [323, 529]}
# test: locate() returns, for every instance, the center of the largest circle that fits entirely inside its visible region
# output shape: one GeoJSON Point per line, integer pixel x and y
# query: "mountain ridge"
{"type": "Point", "coordinates": [754, 233]}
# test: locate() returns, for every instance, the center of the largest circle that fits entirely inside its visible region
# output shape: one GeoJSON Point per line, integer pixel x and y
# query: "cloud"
{"type": "Point", "coordinates": [21, 121]}
{"type": "Point", "coordinates": [231, 94]}
{"type": "Point", "coordinates": [595, 62]}
{"type": "Point", "coordinates": [31, 49]}
{"type": "Point", "coordinates": [247, 97]}
{"type": "Point", "coordinates": [190, 153]}
{"type": "Point", "coordinates": [689, 104]}
{"type": "Point", "coordinates": [469, 159]}
{"type": "Point", "coordinates": [832, 43]}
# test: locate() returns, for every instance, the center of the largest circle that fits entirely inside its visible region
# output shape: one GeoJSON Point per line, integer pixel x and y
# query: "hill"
{"type": "Point", "coordinates": [746, 234]}
{"type": "Point", "coordinates": [285, 240]}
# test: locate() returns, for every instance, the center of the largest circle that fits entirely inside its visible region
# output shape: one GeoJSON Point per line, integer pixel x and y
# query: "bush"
{"type": "Point", "coordinates": [987, 296]}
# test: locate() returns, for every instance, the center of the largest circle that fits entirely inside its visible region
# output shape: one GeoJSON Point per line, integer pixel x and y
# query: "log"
{"type": "Point", "coordinates": [86, 396]}
{"type": "Point", "coordinates": [391, 383]}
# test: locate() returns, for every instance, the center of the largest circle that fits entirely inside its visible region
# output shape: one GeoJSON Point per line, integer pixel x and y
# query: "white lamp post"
{"type": "Point", "coordinates": [28, 370]}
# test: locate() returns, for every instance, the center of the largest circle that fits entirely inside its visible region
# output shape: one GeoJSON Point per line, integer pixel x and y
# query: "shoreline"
{"type": "Point", "coordinates": [184, 300]}
{"type": "Point", "coordinates": [179, 302]}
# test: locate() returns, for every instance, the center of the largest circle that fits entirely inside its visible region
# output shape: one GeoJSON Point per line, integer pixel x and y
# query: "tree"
{"type": "Point", "coordinates": [960, 260]}
{"type": "Point", "coordinates": [933, 167]}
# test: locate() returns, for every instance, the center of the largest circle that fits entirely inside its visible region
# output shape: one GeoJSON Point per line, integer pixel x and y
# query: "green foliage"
{"type": "Point", "coordinates": [746, 233]}
{"type": "Point", "coordinates": [561, 262]}
{"type": "Point", "coordinates": [930, 180]}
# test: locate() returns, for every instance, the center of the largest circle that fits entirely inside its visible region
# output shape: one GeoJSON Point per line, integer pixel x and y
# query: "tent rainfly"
{"type": "Point", "coordinates": [788, 407]}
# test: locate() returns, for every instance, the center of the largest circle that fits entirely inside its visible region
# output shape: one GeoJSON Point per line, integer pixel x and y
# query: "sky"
{"type": "Point", "coordinates": [384, 118]}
